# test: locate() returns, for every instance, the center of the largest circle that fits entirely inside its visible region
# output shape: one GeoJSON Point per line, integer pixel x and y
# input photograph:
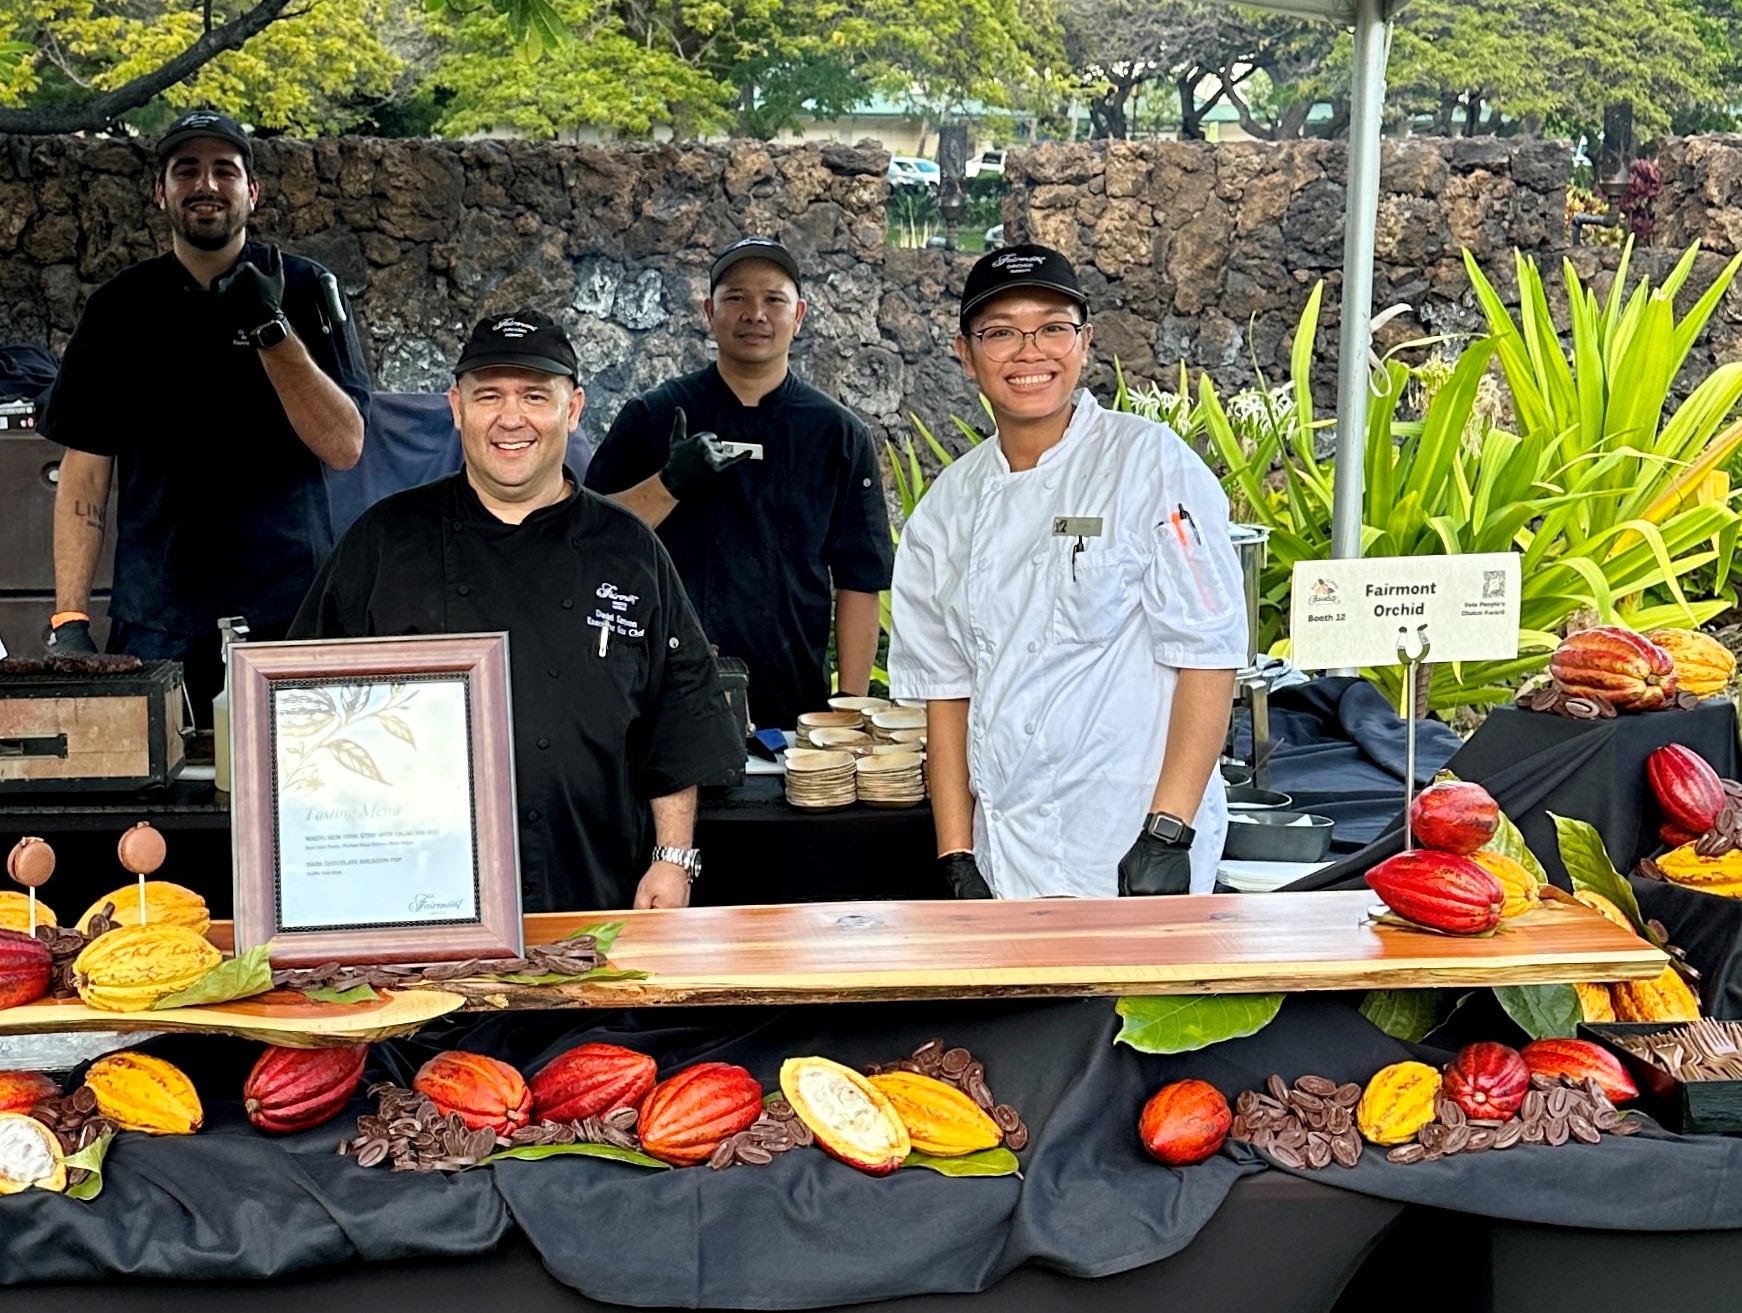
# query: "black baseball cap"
{"type": "Point", "coordinates": [1027, 265]}
{"type": "Point", "coordinates": [524, 338]}
{"type": "Point", "coordinates": [205, 123]}
{"type": "Point", "coordinates": [754, 248]}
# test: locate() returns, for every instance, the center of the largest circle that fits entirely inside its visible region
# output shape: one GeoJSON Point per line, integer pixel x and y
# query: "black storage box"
{"type": "Point", "coordinates": [1703, 1107]}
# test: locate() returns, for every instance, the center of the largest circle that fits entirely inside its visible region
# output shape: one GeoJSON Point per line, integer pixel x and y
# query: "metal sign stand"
{"type": "Point", "coordinates": [1411, 668]}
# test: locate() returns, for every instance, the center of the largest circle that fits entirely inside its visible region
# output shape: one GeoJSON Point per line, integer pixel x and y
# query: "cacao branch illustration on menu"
{"type": "Point", "coordinates": [328, 724]}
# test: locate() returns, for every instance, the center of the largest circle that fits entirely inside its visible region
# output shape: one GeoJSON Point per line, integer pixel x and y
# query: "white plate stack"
{"type": "Point", "coordinates": [820, 780]}
{"type": "Point", "coordinates": [892, 779]}
{"type": "Point", "coordinates": [898, 725]}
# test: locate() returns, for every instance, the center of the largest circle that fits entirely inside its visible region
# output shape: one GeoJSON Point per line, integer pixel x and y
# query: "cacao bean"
{"type": "Point", "coordinates": [1509, 1134]}
{"type": "Point", "coordinates": [1278, 1090]}
{"type": "Point", "coordinates": [722, 1157]}
{"type": "Point", "coordinates": [1406, 1153]}
{"type": "Point", "coordinates": [1557, 1131]}
{"type": "Point", "coordinates": [1533, 1133]}
{"type": "Point", "coordinates": [754, 1154]}
{"type": "Point", "coordinates": [372, 1152]}
{"type": "Point", "coordinates": [1535, 1104]}
{"type": "Point", "coordinates": [1316, 1085]}
{"type": "Point", "coordinates": [1016, 1141]}
{"type": "Point", "coordinates": [1583, 1131]}
{"type": "Point", "coordinates": [1288, 1157]}
{"type": "Point", "coordinates": [955, 1062]}
{"type": "Point", "coordinates": [1481, 1138]}
{"type": "Point", "coordinates": [1349, 1095]}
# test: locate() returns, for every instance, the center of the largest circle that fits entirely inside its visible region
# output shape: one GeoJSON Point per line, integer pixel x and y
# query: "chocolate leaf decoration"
{"type": "Point", "coordinates": [354, 757]}
{"type": "Point", "coordinates": [533, 1152]}
{"type": "Point", "coordinates": [397, 727]}
{"type": "Point", "coordinates": [1587, 862]}
{"type": "Point", "coordinates": [1180, 1023]}
{"type": "Point", "coordinates": [987, 1162]}
{"type": "Point", "coordinates": [1406, 1014]}
{"type": "Point", "coordinates": [603, 935]}
{"type": "Point", "coordinates": [363, 993]}
{"type": "Point", "coordinates": [239, 977]}
{"type": "Point", "coordinates": [599, 975]}
{"type": "Point", "coordinates": [1544, 1011]}
{"type": "Point", "coordinates": [91, 1159]}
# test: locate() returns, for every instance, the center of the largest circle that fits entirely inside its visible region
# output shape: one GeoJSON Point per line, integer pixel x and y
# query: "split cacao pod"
{"type": "Point", "coordinates": [20, 1091]}
{"type": "Point", "coordinates": [1711, 875]}
{"type": "Point", "coordinates": [132, 967]}
{"type": "Point", "coordinates": [1665, 998]}
{"type": "Point", "coordinates": [1454, 816]}
{"type": "Point", "coordinates": [165, 904]}
{"type": "Point", "coordinates": [686, 1116]}
{"type": "Point", "coordinates": [298, 1089]}
{"type": "Point", "coordinates": [1686, 787]}
{"type": "Point", "coordinates": [1184, 1122]}
{"type": "Point", "coordinates": [1703, 665]}
{"type": "Point", "coordinates": [1397, 1102]}
{"type": "Point", "coordinates": [1439, 890]}
{"type": "Point", "coordinates": [145, 1093]}
{"type": "Point", "coordinates": [1595, 1003]}
{"type": "Point", "coordinates": [29, 1155]}
{"type": "Point", "coordinates": [1580, 1059]}
{"type": "Point", "coordinates": [1519, 885]}
{"type": "Point", "coordinates": [26, 966]}
{"type": "Point", "coordinates": [484, 1091]}
{"type": "Point", "coordinates": [590, 1081]}
{"type": "Point", "coordinates": [851, 1118]}
{"type": "Point", "coordinates": [1628, 669]}
{"type": "Point", "coordinates": [15, 912]}
{"type": "Point", "coordinates": [940, 1119]}
{"type": "Point", "coordinates": [1487, 1080]}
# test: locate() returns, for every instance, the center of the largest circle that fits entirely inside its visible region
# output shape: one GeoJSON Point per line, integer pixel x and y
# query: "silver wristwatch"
{"type": "Point", "coordinates": [688, 858]}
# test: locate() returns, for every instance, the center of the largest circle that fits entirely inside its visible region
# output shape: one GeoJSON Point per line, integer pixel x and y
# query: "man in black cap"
{"type": "Point", "coordinates": [617, 709]}
{"type": "Point", "coordinates": [766, 491]}
{"type": "Point", "coordinates": [223, 377]}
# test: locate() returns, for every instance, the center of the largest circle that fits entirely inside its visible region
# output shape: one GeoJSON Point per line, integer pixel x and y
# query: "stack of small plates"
{"type": "Point", "coordinates": [829, 720]}
{"type": "Point", "coordinates": [898, 725]}
{"type": "Point", "coordinates": [819, 780]}
{"type": "Point", "coordinates": [865, 706]}
{"type": "Point", "coordinates": [856, 741]}
{"type": "Point", "coordinates": [894, 779]}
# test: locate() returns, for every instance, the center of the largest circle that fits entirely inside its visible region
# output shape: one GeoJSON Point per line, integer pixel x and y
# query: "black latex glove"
{"type": "Point", "coordinates": [71, 636]}
{"type": "Point", "coordinates": [962, 877]}
{"type": "Point", "coordinates": [251, 296]}
{"type": "Point", "coordinates": [693, 460]}
{"type": "Point", "coordinates": [1155, 867]}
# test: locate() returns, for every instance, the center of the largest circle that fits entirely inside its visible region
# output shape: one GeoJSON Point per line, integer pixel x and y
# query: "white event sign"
{"type": "Point", "coordinates": [1347, 613]}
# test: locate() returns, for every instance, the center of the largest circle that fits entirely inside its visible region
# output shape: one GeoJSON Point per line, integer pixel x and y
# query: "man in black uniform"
{"type": "Point", "coordinates": [616, 704]}
{"type": "Point", "coordinates": [221, 377]}
{"type": "Point", "coordinates": [759, 542]}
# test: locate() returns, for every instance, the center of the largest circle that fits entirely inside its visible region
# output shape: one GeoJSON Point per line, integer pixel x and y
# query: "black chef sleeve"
{"type": "Point", "coordinates": [859, 552]}
{"type": "Point", "coordinates": [632, 451]}
{"type": "Point", "coordinates": [79, 410]}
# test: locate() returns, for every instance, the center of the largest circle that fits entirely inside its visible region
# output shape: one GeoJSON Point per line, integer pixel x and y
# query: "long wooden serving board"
{"type": "Point", "coordinates": [280, 1017]}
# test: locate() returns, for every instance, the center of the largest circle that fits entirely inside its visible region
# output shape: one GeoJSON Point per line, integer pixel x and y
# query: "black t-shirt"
{"type": "Point", "coordinates": [756, 553]}
{"type": "Point", "coordinates": [595, 735]}
{"type": "Point", "coordinates": [222, 509]}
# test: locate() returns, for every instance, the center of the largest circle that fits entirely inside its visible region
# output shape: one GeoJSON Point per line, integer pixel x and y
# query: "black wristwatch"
{"type": "Point", "coordinates": [270, 334]}
{"type": "Point", "coordinates": [1170, 829]}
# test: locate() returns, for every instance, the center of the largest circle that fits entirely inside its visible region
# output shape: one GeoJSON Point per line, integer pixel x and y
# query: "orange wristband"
{"type": "Point", "coordinates": [60, 618]}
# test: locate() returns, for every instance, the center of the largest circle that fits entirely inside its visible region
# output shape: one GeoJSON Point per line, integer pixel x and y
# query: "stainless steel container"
{"type": "Point", "coordinates": [1250, 543]}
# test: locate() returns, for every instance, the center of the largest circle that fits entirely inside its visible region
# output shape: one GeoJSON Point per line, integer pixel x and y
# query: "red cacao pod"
{"type": "Point", "coordinates": [20, 1091]}
{"type": "Point", "coordinates": [685, 1116]}
{"type": "Point", "coordinates": [1487, 1080]}
{"type": "Point", "coordinates": [1439, 890]}
{"type": "Point", "coordinates": [1686, 786]}
{"type": "Point", "coordinates": [25, 968]}
{"type": "Point", "coordinates": [1454, 816]}
{"type": "Point", "coordinates": [591, 1080]}
{"type": "Point", "coordinates": [1627, 668]}
{"type": "Point", "coordinates": [482, 1090]}
{"type": "Point", "coordinates": [296, 1089]}
{"type": "Point", "coordinates": [1184, 1123]}
{"type": "Point", "coordinates": [1673, 836]}
{"type": "Point", "coordinates": [1582, 1060]}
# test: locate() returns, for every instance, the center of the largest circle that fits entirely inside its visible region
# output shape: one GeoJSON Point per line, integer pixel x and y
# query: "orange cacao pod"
{"type": "Point", "coordinates": [482, 1090]}
{"type": "Point", "coordinates": [1686, 787]}
{"type": "Point", "coordinates": [851, 1118]}
{"type": "Point", "coordinates": [591, 1080]}
{"type": "Point", "coordinates": [1487, 1080]}
{"type": "Point", "coordinates": [296, 1089]}
{"type": "Point", "coordinates": [1703, 665]}
{"type": "Point", "coordinates": [1580, 1059]}
{"type": "Point", "coordinates": [20, 1091]}
{"type": "Point", "coordinates": [1397, 1102]}
{"type": "Point", "coordinates": [1664, 998]}
{"type": "Point", "coordinates": [1454, 816]}
{"type": "Point", "coordinates": [25, 968]}
{"type": "Point", "coordinates": [685, 1116]}
{"type": "Point", "coordinates": [1439, 890]}
{"type": "Point", "coordinates": [145, 1093]}
{"type": "Point", "coordinates": [1184, 1123]}
{"type": "Point", "coordinates": [940, 1119]}
{"type": "Point", "coordinates": [1627, 668]}
{"type": "Point", "coordinates": [1595, 1003]}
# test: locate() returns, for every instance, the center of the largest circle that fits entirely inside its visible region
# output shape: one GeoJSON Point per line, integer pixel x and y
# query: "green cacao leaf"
{"type": "Point", "coordinates": [91, 1159]}
{"type": "Point", "coordinates": [327, 994]}
{"type": "Point", "coordinates": [1406, 1014]}
{"type": "Point", "coordinates": [533, 1152]}
{"type": "Point", "coordinates": [1544, 1011]}
{"type": "Point", "coordinates": [1587, 862]}
{"type": "Point", "coordinates": [987, 1162]}
{"type": "Point", "coordinates": [604, 935]}
{"type": "Point", "coordinates": [240, 977]}
{"type": "Point", "coordinates": [1179, 1023]}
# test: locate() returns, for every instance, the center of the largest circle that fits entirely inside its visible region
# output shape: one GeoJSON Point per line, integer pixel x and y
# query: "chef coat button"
{"type": "Point", "coordinates": [1052, 483]}
{"type": "Point", "coordinates": [574, 542]}
{"type": "Point", "coordinates": [1028, 728]}
{"type": "Point", "coordinates": [672, 643]}
{"type": "Point", "coordinates": [568, 604]}
{"type": "Point", "coordinates": [532, 815]}
{"type": "Point", "coordinates": [866, 484]}
{"type": "Point", "coordinates": [997, 816]}
{"type": "Point", "coordinates": [1033, 646]}
{"type": "Point", "coordinates": [1046, 809]}
{"type": "Point", "coordinates": [1038, 558]}
{"type": "Point", "coordinates": [464, 590]}
{"type": "Point", "coordinates": [544, 743]}
{"type": "Point", "coordinates": [554, 673]}
{"type": "Point", "coordinates": [459, 526]}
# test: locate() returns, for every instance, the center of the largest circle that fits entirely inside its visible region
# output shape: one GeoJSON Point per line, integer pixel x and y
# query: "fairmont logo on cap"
{"type": "Point", "coordinates": [1018, 263]}
{"type": "Point", "coordinates": [512, 327]}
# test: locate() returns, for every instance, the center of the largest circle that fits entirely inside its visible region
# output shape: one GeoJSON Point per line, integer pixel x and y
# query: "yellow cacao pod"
{"type": "Point", "coordinates": [940, 1119]}
{"type": "Point", "coordinates": [130, 969]}
{"type": "Point", "coordinates": [15, 912]}
{"type": "Point", "coordinates": [1397, 1102]}
{"type": "Point", "coordinates": [1604, 908]}
{"type": "Point", "coordinates": [1519, 884]}
{"type": "Point", "coordinates": [165, 904]}
{"type": "Point", "coordinates": [1595, 1003]}
{"type": "Point", "coordinates": [1712, 875]}
{"type": "Point", "coordinates": [1667, 998]}
{"type": "Point", "coordinates": [1703, 665]}
{"type": "Point", "coordinates": [144, 1093]}
{"type": "Point", "coordinates": [29, 1155]}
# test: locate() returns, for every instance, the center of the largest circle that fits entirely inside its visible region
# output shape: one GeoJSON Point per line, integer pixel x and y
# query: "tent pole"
{"type": "Point", "coordinates": [1367, 105]}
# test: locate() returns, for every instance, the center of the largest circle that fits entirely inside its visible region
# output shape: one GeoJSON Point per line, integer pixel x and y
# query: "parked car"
{"type": "Point", "coordinates": [911, 171]}
{"type": "Point", "coordinates": [988, 162]}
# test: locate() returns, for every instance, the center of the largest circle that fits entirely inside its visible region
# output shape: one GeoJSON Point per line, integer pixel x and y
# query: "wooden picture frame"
{"type": "Point", "coordinates": [372, 810]}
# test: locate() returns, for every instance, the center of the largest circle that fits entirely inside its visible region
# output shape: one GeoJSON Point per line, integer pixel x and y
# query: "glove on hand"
{"type": "Point", "coordinates": [1155, 867]}
{"type": "Point", "coordinates": [693, 461]}
{"type": "Point", "coordinates": [71, 636]}
{"type": "Point", "coordinates": [962, 877]}
{"type": "Point", "coordinates": [251, 296]}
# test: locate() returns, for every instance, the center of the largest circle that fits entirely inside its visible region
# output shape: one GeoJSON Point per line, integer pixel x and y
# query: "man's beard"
{"type": "Point", "coordinates": [207, 238]}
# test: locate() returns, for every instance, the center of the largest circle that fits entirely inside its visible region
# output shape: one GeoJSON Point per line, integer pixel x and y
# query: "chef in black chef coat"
{"type": "Point", "coordinates": [618, 711]}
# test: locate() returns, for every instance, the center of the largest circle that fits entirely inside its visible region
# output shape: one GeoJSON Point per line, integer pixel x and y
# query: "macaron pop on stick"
{"type": "Point", "coordinates": [30, 863]}
{"type": "Point", "coordinates": [142, 851]}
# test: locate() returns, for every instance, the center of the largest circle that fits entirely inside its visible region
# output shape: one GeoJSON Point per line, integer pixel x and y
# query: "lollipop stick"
{"type": "Point", "coordinates": [142, 899]}
{"type": "Point", "coordinates": [32, 893]}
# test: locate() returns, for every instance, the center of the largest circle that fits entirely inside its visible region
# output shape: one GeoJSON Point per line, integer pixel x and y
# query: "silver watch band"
{"type": "Point", "coordinates": [690, 859]}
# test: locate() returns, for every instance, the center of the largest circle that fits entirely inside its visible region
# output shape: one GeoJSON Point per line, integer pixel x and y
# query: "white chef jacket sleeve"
{"type": "Point", "coordinates": [1193, 598]}
{"type": "Point", "coordinates": [925, 660]}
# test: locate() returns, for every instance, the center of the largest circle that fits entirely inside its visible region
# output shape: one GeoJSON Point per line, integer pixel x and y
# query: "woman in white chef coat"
{"type": "Point", "coordinates": [1068, 603]}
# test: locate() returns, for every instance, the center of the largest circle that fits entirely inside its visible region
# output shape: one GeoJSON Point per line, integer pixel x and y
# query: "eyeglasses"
{"type": "Point", "coordinates": [1055, 340]}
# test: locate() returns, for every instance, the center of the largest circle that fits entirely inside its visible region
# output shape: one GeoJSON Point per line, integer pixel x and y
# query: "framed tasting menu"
{"type": "Point", "coordinates": [372, 812]}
